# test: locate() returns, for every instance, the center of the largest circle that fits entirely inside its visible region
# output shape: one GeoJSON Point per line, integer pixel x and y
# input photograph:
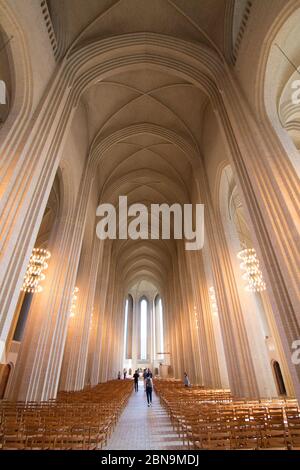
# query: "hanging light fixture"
{"type": "Point", "coordinates": [250, 263]}
{"type": "Point", "coordinates": [252, 273]}
{"type": "Point", "coordinates": [74, 301]}
{"type": "Point", "coordinates": [35, 270]}
{"type": "Point", "coordinates": [213, 300]}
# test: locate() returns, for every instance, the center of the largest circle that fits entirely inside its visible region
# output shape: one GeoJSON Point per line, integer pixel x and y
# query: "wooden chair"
{"type": "Point", "coordinates": [275, 434]}
{"type": "Point", "coordinates": [293, 422]}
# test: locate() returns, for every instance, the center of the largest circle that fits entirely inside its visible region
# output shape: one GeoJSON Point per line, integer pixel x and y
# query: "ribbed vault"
{"type": "Point", "coordinates": [145, 126]}
{"type": "Point", "coordinates": [76, 22]}
{"type": "Point", "coordinates": [145, 129]}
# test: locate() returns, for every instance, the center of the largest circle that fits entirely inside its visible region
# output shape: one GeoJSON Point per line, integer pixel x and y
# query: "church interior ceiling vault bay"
{"type": "Point", "coordinates": [110, 110]}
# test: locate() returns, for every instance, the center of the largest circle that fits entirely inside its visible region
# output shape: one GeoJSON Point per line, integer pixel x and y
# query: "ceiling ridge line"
{"type": "Point", "coordinates": [162, 104]}
{"type": "Point", "coordinates": [133, 154]}
{"type": "Point", "coordinates": [123, 181]}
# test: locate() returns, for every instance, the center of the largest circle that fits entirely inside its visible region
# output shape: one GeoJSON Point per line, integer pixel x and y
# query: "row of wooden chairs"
{"type": "Point", "coordinates": [76, 420]}
{"type": "Point", "coordinates": [233, 424]}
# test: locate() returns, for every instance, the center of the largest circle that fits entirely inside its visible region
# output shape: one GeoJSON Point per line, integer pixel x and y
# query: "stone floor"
{"type": "Point", "coordinates": [143, 428]}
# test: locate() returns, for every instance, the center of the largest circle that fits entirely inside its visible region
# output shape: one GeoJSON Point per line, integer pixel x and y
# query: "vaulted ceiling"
{"type": "Point", "coordinates": [78, 21]}
{"type": "Point", "coordinates": [146, 167]}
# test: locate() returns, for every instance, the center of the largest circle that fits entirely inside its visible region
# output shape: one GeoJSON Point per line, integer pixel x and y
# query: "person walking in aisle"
{"type": "Point", "coordinates": [144, 377]}
{"type": "Point", "coordinates": [136, 381]}
{"type": "Point", "coordinates": [149, 387]}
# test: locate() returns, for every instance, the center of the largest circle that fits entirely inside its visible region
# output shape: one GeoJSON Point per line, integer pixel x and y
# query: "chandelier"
{"type": "Point", "coordinates": [35, 270]}
{"type": "Point", "coordinates": [213, 300]}
{"type": "Point", "coordinates": [74, 301]}
{"type": "Point", "coordinates": [252, 273]}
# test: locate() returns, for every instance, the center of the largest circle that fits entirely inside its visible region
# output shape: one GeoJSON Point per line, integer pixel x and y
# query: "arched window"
{"type": "Point", "coordinates": [5, 370]}
{"type": "Point", "coordinates": [281, 91]}
{"type": "Point", "coordinates": [125, 328]}
{"type": "Point", "coordinates": [144, 315]}
{"type": "Point", "coordinates": [159, 330]}
{"type": "Point", "coordinates": [6, 77]}
{"type": "Point", "coordinates": [279, 378]}
{"type": "Point", "coordinates": [248, 274]}
{"type": "Point", "coordinates": [128, 327]}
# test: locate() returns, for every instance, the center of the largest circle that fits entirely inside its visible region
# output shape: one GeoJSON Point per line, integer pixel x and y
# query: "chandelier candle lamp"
{"type": "Point", "coordinates": [196, 317]}
{"type": "Point", "coordinates": [35, 270]}
{"type": "Point", "coordinates": [213, 301]}
{"type": "Point", "coordinates": [74, 301]}
{"type": "Point", "coordinates": [91, 319]}
{"type": "Point", "coordinates": [252, 273]}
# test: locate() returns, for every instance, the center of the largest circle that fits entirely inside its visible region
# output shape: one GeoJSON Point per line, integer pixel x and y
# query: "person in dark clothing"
{"type": "Point", "coordinates": [136, 381]}
{"type": "Point", "coordinates": [144, 377]}
{"type": "Point", "coordinates": [149, 387]}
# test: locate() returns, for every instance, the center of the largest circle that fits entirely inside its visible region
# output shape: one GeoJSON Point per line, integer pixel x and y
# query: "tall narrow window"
{"type": "Point", "coordinates": [279, 379]}
{"type": "Point", "coordinates": [144, 308]}
{"type": "Point", "coordinates": [125, 328]}
{"type": "Point", "coordinates": [161, 325]}
{"type": "Point", "coordinates": [159, 331]}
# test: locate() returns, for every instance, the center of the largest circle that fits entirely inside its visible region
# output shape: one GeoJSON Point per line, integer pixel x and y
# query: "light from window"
{"type": "Point", "coordinates": [144, 305]}
{"type": "Point", "coordinates": [161, 339]}
{"type": "Point", "coordinates": [125, 328]}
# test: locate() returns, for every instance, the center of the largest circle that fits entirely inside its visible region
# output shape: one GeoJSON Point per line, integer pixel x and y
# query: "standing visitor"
{"type": "Point", "coordinates": [186, 380]}
{"type": "Point", "coordinates": [125, 373]}
{"type": "Point", "coordinates": [144, 377]}
{"type": "Point", "coordinates": [149, 387]}
{"type": "Point", "coordinates": [136, 381]}
{"type": "Point", "coordinates": [119, 375]}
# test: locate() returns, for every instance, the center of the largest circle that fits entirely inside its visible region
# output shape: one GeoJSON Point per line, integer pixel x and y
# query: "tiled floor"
{"type": "Point", "coordinates": [143, 428]}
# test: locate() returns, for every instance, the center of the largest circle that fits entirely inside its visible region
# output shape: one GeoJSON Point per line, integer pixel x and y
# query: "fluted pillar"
{"type": "Point", "coordinates": [80, 325]}
{"type": "Point", "coordinates": [189, 327]}
{"type": "Point", "coordinates": [37, 372]}
{"type": "Point", "coordinates": [101, 294]}
{"type": "Point", "coordinates": [206, 338]}
{"type": "Point", "coordinates": [182, 337]}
